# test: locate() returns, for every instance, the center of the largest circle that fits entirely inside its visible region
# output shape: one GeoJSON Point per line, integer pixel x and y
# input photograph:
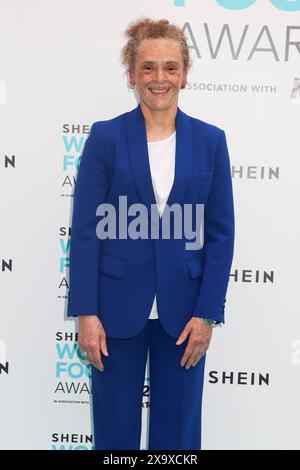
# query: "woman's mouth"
{"type": "Point", "coordinates": [159, 91]}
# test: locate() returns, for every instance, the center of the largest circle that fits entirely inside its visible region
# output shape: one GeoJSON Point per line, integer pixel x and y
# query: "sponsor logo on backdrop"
{"type": "Point", "coordinates": [255, 172]}
{"type": "Point", "coordinates": [239, 46]}
{"type": "Point", "coordinates": [295, 95]}
{"type": "Point", "coordinates": [4, 364]}
{"type": "Point", "coordinates": [233, 88]}
{"type": "Point", "coordinates": [64, 247]}
{"type": "Point", "coordinates": [71, 441]}
{"type": "Point", "coordinates": [74, 137]}
{"type": "Point", "coordinates": [239, 378]}
{"type": "Point", "coordinates": [9, 161]}
{"type": "Point", "coordinates": [6, 265]}
{"type": "Point", "coordinates": [284, 5]}
{"type": "Point", "coordinates": [253, 276]}
{"type": "Point", "coordinates": [72, 371]}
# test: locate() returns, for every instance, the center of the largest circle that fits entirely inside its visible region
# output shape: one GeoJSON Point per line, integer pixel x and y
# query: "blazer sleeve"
{"type": "Point", "coordinates": [90, 191]}
{"type": "Point", "coordinates": [219, 232]}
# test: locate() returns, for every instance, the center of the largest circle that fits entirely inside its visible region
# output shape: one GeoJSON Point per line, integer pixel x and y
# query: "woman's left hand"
{"type": "Point", "coordinates": [200, 336]}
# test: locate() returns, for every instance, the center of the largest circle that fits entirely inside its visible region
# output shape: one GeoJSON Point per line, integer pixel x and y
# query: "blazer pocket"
{"type": "Point", "coordinates": [111, 266]}
{"type": "Point", "coordinates": [195, 267]}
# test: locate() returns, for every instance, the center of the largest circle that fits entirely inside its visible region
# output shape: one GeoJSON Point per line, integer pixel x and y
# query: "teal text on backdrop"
{"type": "Point", "coordinates": [286, 5]}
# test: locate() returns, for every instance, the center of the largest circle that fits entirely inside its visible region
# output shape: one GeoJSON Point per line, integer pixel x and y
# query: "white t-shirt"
{"type": "Point", "coordinates": [162, 165]}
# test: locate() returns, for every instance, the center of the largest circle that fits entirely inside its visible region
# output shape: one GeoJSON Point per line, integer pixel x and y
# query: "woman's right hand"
{"type": "Point", "coordinates": [92, 339]}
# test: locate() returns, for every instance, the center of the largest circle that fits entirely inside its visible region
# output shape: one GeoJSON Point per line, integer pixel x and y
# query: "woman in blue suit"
{"type": "Point", "coordinates": [150, 289]}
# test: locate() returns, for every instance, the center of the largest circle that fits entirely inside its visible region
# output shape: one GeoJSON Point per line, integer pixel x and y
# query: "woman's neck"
{"type": "Point", "coordinates": [159, 123]}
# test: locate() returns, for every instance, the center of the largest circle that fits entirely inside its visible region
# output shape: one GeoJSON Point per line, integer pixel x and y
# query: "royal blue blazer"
{"type": "Point", "coordinates": [117, 278]}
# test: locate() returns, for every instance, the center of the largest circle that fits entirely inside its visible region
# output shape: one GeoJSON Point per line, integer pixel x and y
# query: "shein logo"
{"type": "Point", "coordinates": [3, 362]}
{"type": "Point", "coordinates": [286, 5]}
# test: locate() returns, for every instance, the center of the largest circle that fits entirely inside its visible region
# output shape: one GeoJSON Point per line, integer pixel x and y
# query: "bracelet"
{"type": "Point", "coordinates": [212, 323]}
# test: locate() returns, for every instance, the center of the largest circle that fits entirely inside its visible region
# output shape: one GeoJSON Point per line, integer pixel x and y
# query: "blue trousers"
{"type": "Point", "coordinates": [175, 393]}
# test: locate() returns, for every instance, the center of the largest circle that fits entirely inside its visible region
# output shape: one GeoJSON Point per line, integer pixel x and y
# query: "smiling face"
{"type": "Point", "coordinates": [159, 73]}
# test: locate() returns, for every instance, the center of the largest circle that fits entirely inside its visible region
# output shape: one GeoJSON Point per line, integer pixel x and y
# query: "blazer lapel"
{"type": "Point", "coordinates": [139, 159]}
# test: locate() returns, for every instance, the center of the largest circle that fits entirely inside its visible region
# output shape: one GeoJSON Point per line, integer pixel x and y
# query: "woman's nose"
{"type": "Point", "coordinates": [160, 73]}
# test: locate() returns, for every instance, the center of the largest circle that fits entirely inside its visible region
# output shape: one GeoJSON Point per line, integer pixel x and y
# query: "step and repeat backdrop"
{"type": "Point", "coordinates": [60, 71]}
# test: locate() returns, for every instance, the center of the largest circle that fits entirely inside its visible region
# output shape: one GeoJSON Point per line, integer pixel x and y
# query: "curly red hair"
{"type": "Point", "coordinates": [145, 28]}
